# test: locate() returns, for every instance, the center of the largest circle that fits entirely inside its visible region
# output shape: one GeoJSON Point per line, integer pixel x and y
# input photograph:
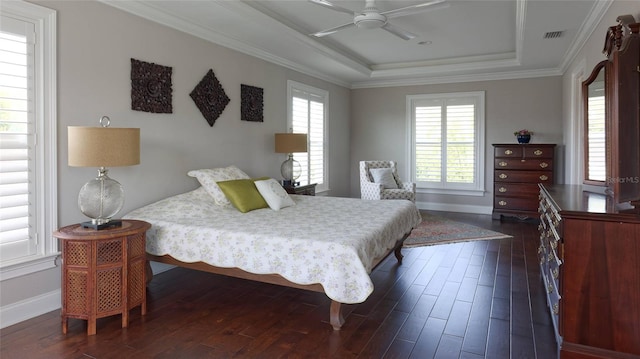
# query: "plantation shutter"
{"type": "Point", "coordinates": [308, 116]}
{"type": "Point", "coordinates": [445, 142]}
{"type": "Point", "coordinates": [596, 139]}
{"type": "Point", "coordinates": [17, 139]}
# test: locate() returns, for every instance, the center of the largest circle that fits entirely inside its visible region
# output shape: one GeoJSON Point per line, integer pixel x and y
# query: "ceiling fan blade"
{"type": "Point", "coordinates": [330, 5]}
{"type": "Point", "coordinates": [332, 30]}
{"type": "Point", "coordinates": [414, 9]}
{"type": "Point", "coordinates": [403, 34]}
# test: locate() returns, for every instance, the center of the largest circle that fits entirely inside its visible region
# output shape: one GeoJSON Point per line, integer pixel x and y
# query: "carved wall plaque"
{"type": "Point", "coordinates": [251, 103]}
{"type": "Point", "coordinates": [150, 87]}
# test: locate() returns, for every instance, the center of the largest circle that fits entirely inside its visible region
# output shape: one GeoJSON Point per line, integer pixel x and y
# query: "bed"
{"type": "Point", "coordinates": [323, 244]}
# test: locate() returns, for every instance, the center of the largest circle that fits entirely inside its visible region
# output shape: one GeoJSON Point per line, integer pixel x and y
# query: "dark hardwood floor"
{"type": "Point", "coordinates": [481, 299]}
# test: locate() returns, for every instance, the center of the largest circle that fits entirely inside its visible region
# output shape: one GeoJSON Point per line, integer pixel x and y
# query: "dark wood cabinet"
{"type": "Point", "coordinates": [518, 168]}
{"type": "Point", "coordinates": [306, 190]}
{"type": "Point", "coordinates": [103, 272]}
{"type": "Point", "coordinates": [590, 264]}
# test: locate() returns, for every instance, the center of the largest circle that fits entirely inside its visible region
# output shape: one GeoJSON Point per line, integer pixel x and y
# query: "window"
{"type": "Point", "coordinates": [27, 138]}
{"type": "Point", "coordinates": [447, 142]}
{"type": "Point", "coordinates": [308, 114]}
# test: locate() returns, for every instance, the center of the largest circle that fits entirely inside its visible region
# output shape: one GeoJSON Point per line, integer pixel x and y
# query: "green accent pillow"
{"type": "Point", "coordinates": [243, 194]}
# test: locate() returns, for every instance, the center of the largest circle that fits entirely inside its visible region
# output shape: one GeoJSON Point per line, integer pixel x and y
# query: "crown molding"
{"type": "Point", "coordinates": [150, 12]}
{"type": "Point", "coordinates": [586, 30]}
{"type": "Point", "coordinates": [399, 74]}
{"type": "Point", "coordinates": [510, 75]}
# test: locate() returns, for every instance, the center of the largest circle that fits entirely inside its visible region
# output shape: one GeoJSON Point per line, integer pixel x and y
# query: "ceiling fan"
{"type": "Point", "coordinates": [372, 18]}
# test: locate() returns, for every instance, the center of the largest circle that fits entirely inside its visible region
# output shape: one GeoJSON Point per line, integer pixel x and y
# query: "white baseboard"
{"type": "Point", "coordinates": [30, 308]}
{"type": "Point", "coordinates": [448, 207]}
{"type": "Point", "coordinates": [44, 303]}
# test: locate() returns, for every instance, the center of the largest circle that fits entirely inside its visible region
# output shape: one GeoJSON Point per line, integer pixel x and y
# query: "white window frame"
{"type": "Point", "coordinates": [293, 85]}
{"type": "Point", "coordinates": [45, 120]}
{"type": "Point", "coordinates": [475, 189]}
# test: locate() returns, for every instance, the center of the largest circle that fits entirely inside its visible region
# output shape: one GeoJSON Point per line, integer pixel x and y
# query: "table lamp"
{"type": "Point", "coordinates": [290, 143]}
{"type": "Point", "coordinates": [102, 197]}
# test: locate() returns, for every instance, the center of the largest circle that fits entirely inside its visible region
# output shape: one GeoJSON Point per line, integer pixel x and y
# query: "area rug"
{"type": "Point", "coordinates": [438, 230]}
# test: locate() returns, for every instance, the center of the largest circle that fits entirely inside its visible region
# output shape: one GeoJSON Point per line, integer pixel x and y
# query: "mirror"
{"type": "Point", "coordinates": [593, 92]}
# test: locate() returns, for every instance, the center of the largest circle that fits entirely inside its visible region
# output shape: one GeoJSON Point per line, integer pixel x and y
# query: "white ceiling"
{"type": "Point", "coordinates": [465, 41]}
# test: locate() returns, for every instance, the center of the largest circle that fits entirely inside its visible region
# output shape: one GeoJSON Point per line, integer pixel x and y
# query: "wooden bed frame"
{"type": "Point", "coordinates": [335, 311]}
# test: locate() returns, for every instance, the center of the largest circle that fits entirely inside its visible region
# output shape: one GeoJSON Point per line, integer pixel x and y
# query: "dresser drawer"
{"type": "Point", "coordinates": [533, 151]}
{"type": "Point", "coordinates": [519, 203]}
{"type": "Point", "coordinates": [523, 151]}
{"type": "Point", "coordinates": [519, 164]}
{"type": "Point", "coordinates": [529, 190]}
{"type": "Point", "coordinates": [523, 176]}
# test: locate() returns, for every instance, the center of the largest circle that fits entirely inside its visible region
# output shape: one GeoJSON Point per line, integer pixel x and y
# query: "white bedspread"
{"type": "Point", "coordinates": [328, 240]}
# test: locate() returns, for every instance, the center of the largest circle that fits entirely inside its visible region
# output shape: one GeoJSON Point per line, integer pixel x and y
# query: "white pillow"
{"type": "Point", "coordinates": [273, 193]}
{"type": "Point", "coordinates": [209, 177]}
{"type": "Point", "coordinates": [384, 176]}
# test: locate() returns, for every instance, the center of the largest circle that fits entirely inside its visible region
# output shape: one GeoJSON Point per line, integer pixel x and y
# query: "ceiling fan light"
{"type": "Point", "coordinates": [370, 21]}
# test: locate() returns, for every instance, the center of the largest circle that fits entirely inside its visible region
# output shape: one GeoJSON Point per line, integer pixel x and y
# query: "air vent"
{"type": "Point", "coordinates": [553, 34]}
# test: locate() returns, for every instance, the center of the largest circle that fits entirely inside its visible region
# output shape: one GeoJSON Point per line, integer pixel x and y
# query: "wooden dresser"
{"type": "Point", "coordinates": [590, 264]}
{"type": "Point", "coordinates": [518, 168]}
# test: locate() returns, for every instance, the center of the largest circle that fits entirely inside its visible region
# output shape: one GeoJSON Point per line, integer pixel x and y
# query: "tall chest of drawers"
{"type": "Point", "coordinates": [589, 257]}
{"type": "Point", "coordinates": [518, 168]}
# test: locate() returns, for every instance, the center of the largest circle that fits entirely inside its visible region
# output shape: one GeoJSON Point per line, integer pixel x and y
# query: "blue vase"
{"type": "Point", "coordinates": [524, 138]}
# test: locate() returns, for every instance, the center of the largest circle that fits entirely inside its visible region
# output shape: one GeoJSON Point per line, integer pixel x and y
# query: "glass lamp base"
{"type": "Point", "coordinates": [100, 199]}
{"type": "Point", "coordinates": [290, 169]}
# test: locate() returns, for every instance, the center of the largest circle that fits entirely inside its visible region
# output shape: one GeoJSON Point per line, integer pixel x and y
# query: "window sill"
{"type": "Point", "coordinates": [455, 192]}
{"type": "Point", "coordinates": [12, 269]}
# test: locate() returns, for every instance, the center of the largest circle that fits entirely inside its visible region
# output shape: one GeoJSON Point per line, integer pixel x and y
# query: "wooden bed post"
{"type": "Point", "coordinates": [335, 315]}
{"type": "Point", "coordinates": [398, 253]}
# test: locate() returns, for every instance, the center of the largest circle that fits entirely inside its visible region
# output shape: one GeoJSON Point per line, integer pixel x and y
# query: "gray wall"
{"type": "Point", "coordinates": [95, 45]}
{"type": "Point", "coordinates": [379, 127]}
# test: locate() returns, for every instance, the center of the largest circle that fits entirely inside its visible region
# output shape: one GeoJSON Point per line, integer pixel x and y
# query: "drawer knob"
{"type": "Point", "coordinates": [502, 203]}
{"type": "Point", "coordinates": [502, 164]}
{"type": "Point", "coordinates": [508, 152]}
{"type": "Point", "coordinates": [502, 190]}
{"type": "Point", "coordinates": [544, 178]}
{"type": "Point", "coordinates": [502, 176]}
{"type": "Point", "coordinates": [556, 273]}
{"type": "Point", "coordinates": [537, 152]}
{"type": "Point", "coordinates": [556, 308]}
{"type": "Point", "coordinates": [544, 165]}
{"type": "Point", "coordinates": [550, 288]}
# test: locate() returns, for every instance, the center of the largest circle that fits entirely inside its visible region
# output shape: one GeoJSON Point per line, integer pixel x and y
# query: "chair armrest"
{"type": "Point", "coordinates": [408, 186]}
{"type": "Point", "coordinates": [370, 190]}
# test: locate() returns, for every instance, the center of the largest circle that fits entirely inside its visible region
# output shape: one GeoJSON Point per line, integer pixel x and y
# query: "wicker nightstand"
{"type": "Point", "coordinates": [103, 272]}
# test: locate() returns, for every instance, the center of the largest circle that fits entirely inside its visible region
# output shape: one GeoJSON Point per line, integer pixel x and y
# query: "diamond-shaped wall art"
{"type": "Point", "coordinates": [150, 87]}
{"type": "Point", "coordinates": [209, 97]}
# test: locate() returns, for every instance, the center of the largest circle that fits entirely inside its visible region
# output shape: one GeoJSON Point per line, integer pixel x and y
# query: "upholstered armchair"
{"type": "Point", "coordinates": [379, 180]}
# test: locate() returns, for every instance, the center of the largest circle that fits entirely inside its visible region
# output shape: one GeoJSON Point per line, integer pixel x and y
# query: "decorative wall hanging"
{"type": "Point", "coordinates": [251, 103]}
{"type": "Point", "coordinates": [209, 97]}
{"type": "Point", "coordinates": [150, 87]}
